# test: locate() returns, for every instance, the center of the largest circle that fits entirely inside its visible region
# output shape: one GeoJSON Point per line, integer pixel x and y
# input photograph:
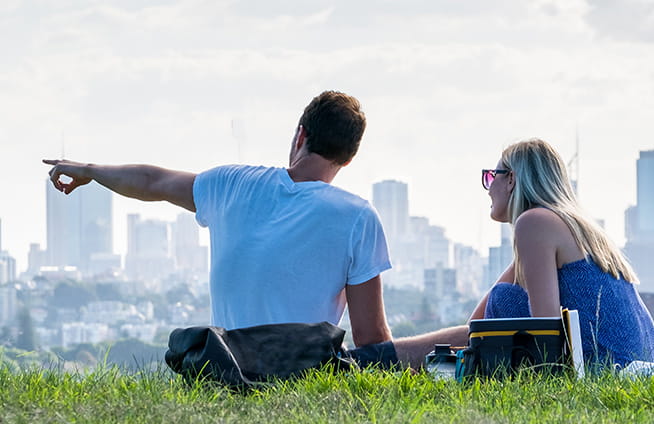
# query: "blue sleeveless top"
{"type": "Point", "coordinates": [615, 324]}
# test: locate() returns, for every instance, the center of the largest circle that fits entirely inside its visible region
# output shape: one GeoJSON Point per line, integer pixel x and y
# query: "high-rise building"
{"type": "Point", "coordinates": [425, 246]}
{"type": "Point", "coordinates": [645, 193]}
{"type": "Point", "coordinates": [7, 267]}
{"type": "Point", "coordinates": [36, 258]}
{"type": "Point", "coordinates": [8, 304]}
{"type": "Point", "coordinates": [500, 257]}
{"type": "Point", "coordinates": [190, 257]}
{"type": "Point", "coordinates": [469, 267]}
{"type": "Point", "coordinates": [639, 223]}
{"type": "Point", "coordinates": [96, 228]}
{"type": "Point", "coordinates": [148, 249]}
{"type": "Point", "coordinates": [7, 263]}
{"type": "Point", "coordinates": [79, 225]}
{"type": "Point", "coordinates": [391, 200]}
{"type": "Point", "coordinates": [63, 227]}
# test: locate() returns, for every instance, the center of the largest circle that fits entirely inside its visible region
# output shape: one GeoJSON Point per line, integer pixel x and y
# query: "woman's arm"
{"type": "Point", "coordinates": [508, 276]}
{"type": "Point", "coordinates": [537, 234]}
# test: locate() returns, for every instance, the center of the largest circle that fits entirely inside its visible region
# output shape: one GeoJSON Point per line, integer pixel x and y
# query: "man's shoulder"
{"type": "Point", "coordinates": [343, 199]}
{"type": "Point", "coordinates": [236, 169]}
{"type": "Point", "coordinates": [230, 174]}
{"type": "Point", "coordinates": [346, 196]}
{"type": "Point", "coordinates": [225, 178]}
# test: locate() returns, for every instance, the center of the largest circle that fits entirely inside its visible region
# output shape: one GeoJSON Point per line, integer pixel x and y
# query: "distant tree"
{"type": "Point", "coordinates": [404, 329]}
{"type": "Point", "coordinates": [426, 313]}
{"type": "Point", "coordinates": [108, 291]}
{"type": "Point", "coordinates": [19, 359]}
{"type": "Point", "coordinates": [26, 339]}
{"type": "Point", "coordinates": [86, 358]}
{"type": "Point", "coordinates": [161, 336]}
{"type": "Point", "coordinates": [72, 295]}
{"type": "Point", "coordinates": [6, 336]}
{"type": "Point", "coordinates": [160, 304]}
{"type": "Point", "coordinates": [180, 293]}
{"type": "Point", "coordinates": [71, 353]}
{"type": "Point", "coordinates": [134, 354]}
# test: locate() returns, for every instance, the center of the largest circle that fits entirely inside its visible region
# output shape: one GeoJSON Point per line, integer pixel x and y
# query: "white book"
{"type": "Point", "coordinates": [573, 339]}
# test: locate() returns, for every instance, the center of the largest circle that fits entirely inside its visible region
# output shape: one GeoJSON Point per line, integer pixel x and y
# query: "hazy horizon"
{"type": "Point", "coordinates": [445, 86]}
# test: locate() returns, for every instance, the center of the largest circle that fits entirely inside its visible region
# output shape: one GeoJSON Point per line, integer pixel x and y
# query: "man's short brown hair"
{"type": "Point", "coordinates": [334, 124]}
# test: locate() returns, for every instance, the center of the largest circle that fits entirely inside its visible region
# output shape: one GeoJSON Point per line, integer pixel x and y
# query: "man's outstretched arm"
{"type": "Point", "coordinates": [143, 182]}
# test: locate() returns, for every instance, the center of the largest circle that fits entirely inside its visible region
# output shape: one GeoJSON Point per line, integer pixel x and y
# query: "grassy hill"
{"type": "Point", "coordinates": [109, 395]}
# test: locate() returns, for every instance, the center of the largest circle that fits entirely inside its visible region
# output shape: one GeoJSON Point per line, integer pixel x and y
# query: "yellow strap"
{"type": "Point", "coordinates": [512, 332]}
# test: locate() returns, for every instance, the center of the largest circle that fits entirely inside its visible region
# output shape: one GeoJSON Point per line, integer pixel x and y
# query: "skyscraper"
{"type": "Point", "coordinates": [96, 229]}
{"type": "Point", "coordinates": [7, 263]}
{"type": "Point", "coordinates": [189, 255]}
{"type": "Point", "coordinates": [79, 225]}
{"type": "Point", "coordinates": [8, 304]}
{"type": "Point", "coordinates": [63, 227]}
{"type": "Point", "coordinates": [645, 193]}
{"type": "Point", "coordinates": [391, 200]}
{"type": "Point", "coordinates": [148, 249]}
{"type": "Point", "coordinates": [500, 257]}
{"type": "Point", "coordinates": [639, 223]}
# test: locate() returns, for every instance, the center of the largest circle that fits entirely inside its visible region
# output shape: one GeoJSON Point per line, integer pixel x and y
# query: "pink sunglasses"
{"type": "Point", "coordinates": [488, 176]}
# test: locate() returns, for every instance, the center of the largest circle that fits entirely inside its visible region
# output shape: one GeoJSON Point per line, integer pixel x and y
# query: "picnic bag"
{"type": "Point", "coordinates": [500, 347]}
{"type": "Point", "coordinates": [250, 356]}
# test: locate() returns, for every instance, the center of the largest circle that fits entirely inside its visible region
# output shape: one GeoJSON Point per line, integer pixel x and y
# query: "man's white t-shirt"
{"type": "Point", "coordinates": [283, 251]}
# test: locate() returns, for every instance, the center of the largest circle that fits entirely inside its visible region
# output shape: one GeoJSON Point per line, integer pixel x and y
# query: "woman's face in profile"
{"type": "Point", "coordinates": [499, 192]}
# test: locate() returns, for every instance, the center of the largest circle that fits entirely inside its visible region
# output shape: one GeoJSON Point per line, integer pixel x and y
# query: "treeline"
{"type": "Point", "coordinates": [128, 354]}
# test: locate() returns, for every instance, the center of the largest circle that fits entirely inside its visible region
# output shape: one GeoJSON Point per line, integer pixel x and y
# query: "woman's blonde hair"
{"type": "Point", "coordinates": [541, 179]}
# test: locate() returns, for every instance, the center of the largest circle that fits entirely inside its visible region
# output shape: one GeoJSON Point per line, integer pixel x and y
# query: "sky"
{"type": "Point", "coordinates": [445, 85]}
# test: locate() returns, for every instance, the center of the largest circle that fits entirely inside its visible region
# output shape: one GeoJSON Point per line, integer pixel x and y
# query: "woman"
{"type": "Point", "coordinates": [562, 258]}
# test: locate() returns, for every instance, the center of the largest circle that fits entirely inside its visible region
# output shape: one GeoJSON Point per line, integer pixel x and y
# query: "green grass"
{"type": "Point", "coordinates": [111, 396]}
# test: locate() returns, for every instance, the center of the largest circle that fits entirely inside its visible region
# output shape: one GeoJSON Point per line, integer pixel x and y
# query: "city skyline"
{"type": "Point", "coordinates": [445, 85]}
{"type": "Point", "coordinates": [393, 189]}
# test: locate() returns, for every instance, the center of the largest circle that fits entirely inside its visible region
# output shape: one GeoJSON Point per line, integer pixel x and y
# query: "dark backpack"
{"type": "Point", "coordinates": [500, 347]}
{"type": "Point", "coordinates": [251, 356]}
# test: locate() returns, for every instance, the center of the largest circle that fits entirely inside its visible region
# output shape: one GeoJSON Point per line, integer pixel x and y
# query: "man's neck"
{"type": "Point", "coordinates": [313, 167]}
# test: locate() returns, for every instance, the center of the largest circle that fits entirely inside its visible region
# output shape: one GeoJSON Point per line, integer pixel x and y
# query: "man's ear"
{"type": "Point", "coordinates": [347, 163]}
{"type": "Point", "coordinates": [301, 137]}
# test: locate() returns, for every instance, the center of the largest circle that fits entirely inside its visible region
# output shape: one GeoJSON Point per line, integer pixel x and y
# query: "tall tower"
{"type": "Point", "coordinates": [639, 223]}
{"type": "Point", "coordinates": [7, 263]}
{"type": "Point", "coordinates": [79, 225]}
{"type": "Point", "coordinates": [189, 255]}
{"type": "Point", "coordinates": [96, 223]}
{"type": "Point", "coordinates": [148, 256]}
{"type": "Point", "coordinates": [63, 227]}
{"type": "Point", "coordinates": [391, 200]}
{"type": "Point", "coordinates": [645, 193]}
{"type": "Point", "coordinates": [500, 257]}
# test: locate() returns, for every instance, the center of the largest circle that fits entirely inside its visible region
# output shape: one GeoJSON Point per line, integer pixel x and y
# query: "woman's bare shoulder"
{"type": "Point", "coordinates": [540, 222]}
{"type": "Point", "coordinates": [538, 215]}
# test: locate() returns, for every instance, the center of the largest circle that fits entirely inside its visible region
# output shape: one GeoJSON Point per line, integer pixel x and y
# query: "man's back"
{"type": "Point", "coordinates": [275, 254]}
{"type": "Point", "coordinates": [283, 251]}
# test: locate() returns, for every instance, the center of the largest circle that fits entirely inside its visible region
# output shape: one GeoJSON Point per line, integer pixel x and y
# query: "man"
{"type": "Point", "coordinates": [286, 245]}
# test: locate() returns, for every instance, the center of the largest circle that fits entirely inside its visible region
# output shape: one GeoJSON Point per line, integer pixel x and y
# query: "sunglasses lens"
{"type": "Point", "coordinates": [487, 179]}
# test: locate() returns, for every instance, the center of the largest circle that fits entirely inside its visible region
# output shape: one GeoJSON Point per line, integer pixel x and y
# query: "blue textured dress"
{"type": "Point", "coordinates": [615, 324]}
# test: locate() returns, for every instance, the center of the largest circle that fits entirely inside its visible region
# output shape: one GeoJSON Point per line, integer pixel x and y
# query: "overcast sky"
{"type": "Point", "coordinates": [445, 86]}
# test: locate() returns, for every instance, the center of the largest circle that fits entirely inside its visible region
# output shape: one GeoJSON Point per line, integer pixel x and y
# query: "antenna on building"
{"type": "Point", "coordinates": [573, 165]}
